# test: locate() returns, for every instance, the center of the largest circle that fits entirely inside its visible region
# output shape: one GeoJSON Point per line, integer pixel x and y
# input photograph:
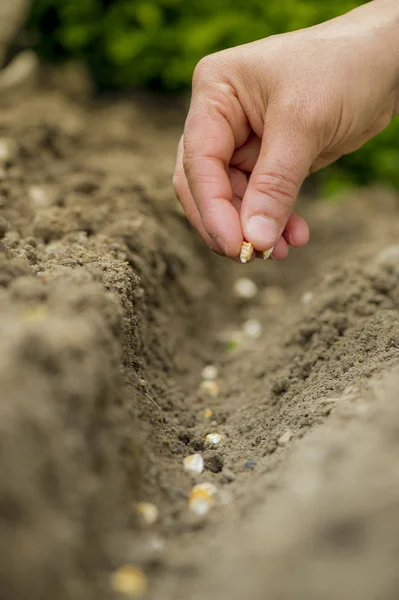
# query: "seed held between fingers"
{"type": "Point", "coordinates": [267, 253]}
{"type": "Point", "coordinates": [246, 253]}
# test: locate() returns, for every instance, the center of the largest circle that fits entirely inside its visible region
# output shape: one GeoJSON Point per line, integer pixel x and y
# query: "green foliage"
{"type": "Point", "coordinates": [156, 43]}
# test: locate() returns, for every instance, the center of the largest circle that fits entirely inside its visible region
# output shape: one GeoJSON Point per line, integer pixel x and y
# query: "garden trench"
{"type": "Point", "coordinates": [110, 309]}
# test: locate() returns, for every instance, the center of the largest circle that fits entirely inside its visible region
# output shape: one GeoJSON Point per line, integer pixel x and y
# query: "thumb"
{"type": "Point", "coordinates": [283, 164]}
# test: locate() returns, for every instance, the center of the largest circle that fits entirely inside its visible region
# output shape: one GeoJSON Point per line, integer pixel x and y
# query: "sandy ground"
{"type": "Point", "coordinates": [111, 307]}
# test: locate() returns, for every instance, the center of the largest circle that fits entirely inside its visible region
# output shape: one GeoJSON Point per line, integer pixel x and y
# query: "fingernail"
{"type": "Point", "coordinates": [221, 243]}
{"type": "Point", "coordinates": [262, 231]}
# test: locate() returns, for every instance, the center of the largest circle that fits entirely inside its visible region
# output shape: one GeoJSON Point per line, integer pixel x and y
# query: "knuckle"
{"type": "Point", "coordinates": [202, 70]}
{"type": "Point", "coordinates": [280, 188]}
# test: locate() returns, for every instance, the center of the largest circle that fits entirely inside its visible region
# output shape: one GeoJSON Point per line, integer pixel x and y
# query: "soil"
{"type": "Point", "coordinates": [110, 307]}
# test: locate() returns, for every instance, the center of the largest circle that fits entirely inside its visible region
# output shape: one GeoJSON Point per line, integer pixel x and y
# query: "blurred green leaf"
{"type": "Point", "coordinates": [157, 43]}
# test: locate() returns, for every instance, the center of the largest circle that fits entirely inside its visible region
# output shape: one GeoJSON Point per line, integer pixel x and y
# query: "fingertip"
{"type": "Point", "coordinates": [281, 250]}
{"type": "Point", "coordinates": [296, 232]}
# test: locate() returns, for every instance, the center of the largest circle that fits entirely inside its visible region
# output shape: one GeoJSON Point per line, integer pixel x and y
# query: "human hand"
{"type": "Point", "coordinates": [265, 115]}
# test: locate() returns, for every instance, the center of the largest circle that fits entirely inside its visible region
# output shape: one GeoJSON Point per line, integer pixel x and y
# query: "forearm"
{"type": "Point", "coordinates": [377, 24]}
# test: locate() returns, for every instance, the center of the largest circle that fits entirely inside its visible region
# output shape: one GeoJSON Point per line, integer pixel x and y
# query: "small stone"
{"type": "Point", "coordinates": [209, 373]}
{"type": "Point", "coordinates": [285, 438]}
{"type": "Point", "coordinates": [245, 288]}
{"type": "Point", "coordinates": [147, 512]}
{"type": "Point", "coordinates": [194, 464]}
{"type": "Point", "coordinates": [129, 581]}
{"type": "Point", "coordinates": [253, 329]}
{"type": "Point", "coordinates": [250, 464]}
{"type": "Point", "coordinates": [142, 383]}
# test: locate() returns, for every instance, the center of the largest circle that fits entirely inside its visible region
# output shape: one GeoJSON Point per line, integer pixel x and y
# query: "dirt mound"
{"type": "Point", "coordinates": [110, 308]}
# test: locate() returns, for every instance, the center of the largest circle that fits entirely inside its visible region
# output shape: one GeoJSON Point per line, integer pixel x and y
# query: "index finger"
{"type": "Point", "coordinates": [208, 147]}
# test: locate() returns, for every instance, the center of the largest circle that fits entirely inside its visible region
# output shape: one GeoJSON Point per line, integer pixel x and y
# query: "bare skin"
{"type": "Point", "coordinates": [265, 115]}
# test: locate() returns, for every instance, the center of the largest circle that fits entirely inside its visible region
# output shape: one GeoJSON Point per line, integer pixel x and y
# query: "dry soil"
{"type": "Point", "coordinates": [109, 309]}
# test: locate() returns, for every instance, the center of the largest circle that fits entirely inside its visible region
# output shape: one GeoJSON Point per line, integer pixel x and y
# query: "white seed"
{"type": "Point", "coordinates": [202, 498]}
{"type": "Point", "coordinates": [253, 329]}
{"type": "Point", "coordinates": [209, 373]}
{"type": "Point", "coordinates": [147, 512]}
{"type": "Point", "coordinates": [246, 253]}
{"type": "Point", "coordinates": [129, 581]}
{"type": "Point", "coordinates": [285, 438]}
{"type": "Point", "coordinates": [39, 196]}
{"type": "Point", "coordinates": [210, 387]}
{"type": "Point", "coordinates": [8, 150]}
{"type": "Point", "coordinates": [307, 297]}
{"type": "Point", "coordinates": [214, 438]}
{"type": "Point", "coordinates": [245, 288]}
{"type": "Point", "coordinates": [267, 253]}
{"type": "Point", "coordinates": [157, 543]}
{"type": "Point", "coordinates": [194, 463]}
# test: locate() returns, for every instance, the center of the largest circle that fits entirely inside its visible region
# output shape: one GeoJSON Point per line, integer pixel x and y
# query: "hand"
{"type": "Point", "coordinates": [265, 115]}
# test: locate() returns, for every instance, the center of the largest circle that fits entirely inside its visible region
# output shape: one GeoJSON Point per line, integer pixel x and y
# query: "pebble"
{"type": "Point", "coordinates": [129, 581]}
{"type": "Point", "coordinates": [250, 463]}
{"type": "Point", "coordinates": [194, 463]}
{"type": "Point", "coordinates": [209, 373]}
{"type": "Point", "coordinates": [147, 512]}
{"type": "Point", "coordinates": [253, 329]}
{"type": "Point", "coordinates": [245, 288]}
{"type": "Point", "coordinates": [285, 438]}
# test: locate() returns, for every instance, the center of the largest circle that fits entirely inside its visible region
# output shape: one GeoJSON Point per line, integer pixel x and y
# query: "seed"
{"type": "Point", "coordinates": [245, 288]}
{"type": "Point", "coordinates": [129, 581]}
{"type": "Point", "coordinates": [202, 498]}
{"type": "Point", "coordinates": [253, 329]}
{"type": "Point", "coordinates": [35, 313]}
{"type": "Point", "coordinates": [267, 253]}
{"type": "Point", "coordinates": [194, 463]}
{"type": "Point", "coordinates": [147, 512]}
{"type": "Point", "coordinates": [208, 413]}
{"type": "Point", "coordinates": [213, 438]}
{"type": "Point", "coordinates": [307, 297]}
{"type": "Point", "coordinates": [246, 253]}
{"type": "Point", "coordinates": [285, 438]}
{"type": "Point", "coordinates": [209, 373]}
{"type": "Point", "coordinates": [8, 150]}
{"type": "Point", "coordinates": [210, 387]}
